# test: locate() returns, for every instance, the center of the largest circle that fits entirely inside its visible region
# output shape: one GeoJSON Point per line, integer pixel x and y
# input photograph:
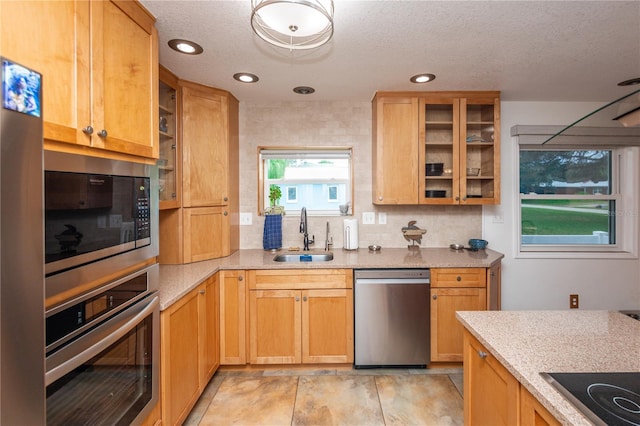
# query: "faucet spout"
{"type": "Point", "coordinates": [304, 229]}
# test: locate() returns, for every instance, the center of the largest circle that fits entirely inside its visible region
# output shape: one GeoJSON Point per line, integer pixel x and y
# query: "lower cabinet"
{"type": "Point", "coordinates": [492, 396]}
{"type": "Point", "coordinates": [189, 350]}
{"type": "Point", "coordinates": [453, 289]}
{"type": "Point", "coordinates": [233, 313]}
{"type": "Point", "coordinates": [300, 316]}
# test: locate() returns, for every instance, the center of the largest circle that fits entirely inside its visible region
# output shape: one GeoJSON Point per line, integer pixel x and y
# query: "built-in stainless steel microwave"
{"type": "Point", "coordinates": [99, 219]}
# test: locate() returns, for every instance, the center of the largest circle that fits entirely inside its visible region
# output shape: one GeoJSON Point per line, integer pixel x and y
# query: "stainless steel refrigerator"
{"type": "Point", "coordinates": [22, 389]}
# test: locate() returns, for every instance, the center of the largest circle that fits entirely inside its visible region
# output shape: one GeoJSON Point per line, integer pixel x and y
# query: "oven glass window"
{"type": "Point", "coordinates": [110, 389]}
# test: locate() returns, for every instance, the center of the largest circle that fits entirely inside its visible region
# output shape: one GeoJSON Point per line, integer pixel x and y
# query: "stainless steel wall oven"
{"type": "Point", "coordinates": [103, 354]}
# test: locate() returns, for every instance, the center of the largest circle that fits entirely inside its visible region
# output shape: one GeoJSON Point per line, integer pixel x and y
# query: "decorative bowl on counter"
{"type": "Point", "coordinates": [478, 244]}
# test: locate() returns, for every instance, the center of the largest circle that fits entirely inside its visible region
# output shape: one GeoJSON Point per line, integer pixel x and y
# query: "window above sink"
{"type": "Point", "coordinates": [320, 179]}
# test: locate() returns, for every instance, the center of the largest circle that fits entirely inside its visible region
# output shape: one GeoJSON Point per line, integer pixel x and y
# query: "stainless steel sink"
{"type": "Point", "coordinates": [304, 257]}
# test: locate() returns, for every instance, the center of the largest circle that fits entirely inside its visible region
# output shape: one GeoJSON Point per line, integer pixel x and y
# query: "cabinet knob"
{"type": "Point", "coordinates": [297, 298]}
{"type": "Point", "coordinates": [457, 198]}
{"type": "Point", "coordinates": [225, 213]}
{"type": "Point", "coordinates": [458, 278]}
{"type": "Point", "coordinates": [304, 298]}
{"type": "Point", "coordinates": [226, 198]}
{"type": "Point", "coordinates": [493, 274]}
{"type": "Point", "coordinates": [240, 278]}
{"type": "Point", "coordinates": [434, 297]}
{"type": "Point", "coordinates": [379, 198]}
{"type": "Point", "coordinates": [102, 133]}
{"type": "Point", "coordinates": [464, 198]}
{"type": "Point", "coordinates": [87, 130]}
{"type": "Point", "coordinates": [201, 291]}
{"type": "Point", "coordinates": [482, 354]}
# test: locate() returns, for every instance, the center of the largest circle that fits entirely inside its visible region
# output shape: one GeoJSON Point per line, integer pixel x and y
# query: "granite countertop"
{"type": "Point", "coordinates": [178, 280]}
{"type": "Point", "coordinates": [530, 342]}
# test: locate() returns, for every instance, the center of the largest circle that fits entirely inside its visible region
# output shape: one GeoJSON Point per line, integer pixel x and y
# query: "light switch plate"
{"type": "Point", "coordinates": [382, 218]}
{"type": "Point", "coordinates": [368, 218]}
{"type": "Point", "coordinates": [246, 219]}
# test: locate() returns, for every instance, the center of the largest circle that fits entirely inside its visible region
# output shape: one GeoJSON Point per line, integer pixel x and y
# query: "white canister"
{"type": "Point", "coordinates": [350, 241]}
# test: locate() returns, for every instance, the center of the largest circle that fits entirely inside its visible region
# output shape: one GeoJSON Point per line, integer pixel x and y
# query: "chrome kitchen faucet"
{"type": "Point", "coordinates": [304, 229]}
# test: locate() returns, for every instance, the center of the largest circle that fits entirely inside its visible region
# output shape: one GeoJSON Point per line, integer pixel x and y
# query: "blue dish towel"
{"type": "Point", "coordinates": [272, 237]}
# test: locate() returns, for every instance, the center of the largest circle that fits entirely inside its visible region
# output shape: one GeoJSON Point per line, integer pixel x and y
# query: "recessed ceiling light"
{"type": "Point", "coordinates": [246, 77]}
{"type": "Point", "coordinates": [185, 46]}
{"type": "Point", "coordinates": [631, 82]}
{"type": "Point", "coordinates": [304, 90]}
{"type": "Point", "coordinates": [422, 78]}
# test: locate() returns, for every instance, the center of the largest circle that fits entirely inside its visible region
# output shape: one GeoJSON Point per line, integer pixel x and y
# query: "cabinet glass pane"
{"type": "Point", "coordinates": [438, 145]}
{"type": "Point", "coordinates": [479, 159]}
{"type": "Point", "coordinates": [167, 130]}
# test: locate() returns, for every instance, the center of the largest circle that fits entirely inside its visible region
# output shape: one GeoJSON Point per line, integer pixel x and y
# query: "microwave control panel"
{"type": "Point", "coordinates": [143, 207]}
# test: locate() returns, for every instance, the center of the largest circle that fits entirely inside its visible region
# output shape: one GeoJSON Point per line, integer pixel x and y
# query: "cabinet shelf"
{"type": "Point", "coordinates": [166, 168]}
{"type": "Point", "coordinates": [165, 110]}
{"type": "Point", "coordinates": [166, 135]}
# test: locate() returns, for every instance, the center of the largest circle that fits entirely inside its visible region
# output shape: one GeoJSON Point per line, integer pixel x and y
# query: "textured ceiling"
{"type": "Point", "coordinates": [529, 50]}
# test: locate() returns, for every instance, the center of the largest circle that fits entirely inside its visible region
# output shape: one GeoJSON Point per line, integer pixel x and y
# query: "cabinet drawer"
{"type": "Point", "coordinates": [296, 279]}
{"type": "Point", "coordinates": [458, 277]}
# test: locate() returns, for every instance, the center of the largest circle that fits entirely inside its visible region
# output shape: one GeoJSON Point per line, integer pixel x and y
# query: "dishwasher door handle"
{"type": "Point", "coordinates": [391, 281]}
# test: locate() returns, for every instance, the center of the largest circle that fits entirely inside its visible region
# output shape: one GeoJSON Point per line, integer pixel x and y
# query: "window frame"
{"type": "Point", "coordinates": [624, 175]}
{"type": "Point", "coordinates": [345, 152]}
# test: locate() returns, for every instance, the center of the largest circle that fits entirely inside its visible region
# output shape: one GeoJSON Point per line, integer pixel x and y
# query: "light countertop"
{"type": "Point", "coordinates": [178, 280]}
{"type": "Point", "coordinates": [530, 342]}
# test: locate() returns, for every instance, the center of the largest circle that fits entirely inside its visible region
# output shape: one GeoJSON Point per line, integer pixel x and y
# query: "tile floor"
{"type": "Point", "coordinates": [332, 397]}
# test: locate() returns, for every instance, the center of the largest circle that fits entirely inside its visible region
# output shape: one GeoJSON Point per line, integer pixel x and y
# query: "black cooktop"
{"type": "Point", "coordinates": [607, 399]}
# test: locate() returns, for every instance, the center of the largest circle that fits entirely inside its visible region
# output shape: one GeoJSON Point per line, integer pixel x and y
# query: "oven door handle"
{"type": "Point", "coordinates": [67, 364]}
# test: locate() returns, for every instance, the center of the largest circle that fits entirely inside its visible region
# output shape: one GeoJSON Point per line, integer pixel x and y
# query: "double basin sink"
{"type": "Point", "coordinates": [304, 257]}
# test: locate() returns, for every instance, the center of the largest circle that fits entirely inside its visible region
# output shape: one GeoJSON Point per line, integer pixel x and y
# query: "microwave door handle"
{"type": "Point", "coordinates": [77, 360]}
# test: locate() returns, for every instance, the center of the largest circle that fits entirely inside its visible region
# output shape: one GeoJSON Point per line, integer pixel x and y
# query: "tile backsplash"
{"type": "Point", "coordinates": [336, 124]}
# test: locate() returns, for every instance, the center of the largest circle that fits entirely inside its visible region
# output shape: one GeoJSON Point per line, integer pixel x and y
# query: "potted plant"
{"type": "Point", "coordinates": [274, 196]}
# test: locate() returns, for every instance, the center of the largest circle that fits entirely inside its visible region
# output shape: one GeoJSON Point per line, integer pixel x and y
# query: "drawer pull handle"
{"type": "Point", "coordinates": [482, 354]}
{"type": "Point", "coordinates": [201, 291]}
{"type": "Point", "coordinates": [458, 278]}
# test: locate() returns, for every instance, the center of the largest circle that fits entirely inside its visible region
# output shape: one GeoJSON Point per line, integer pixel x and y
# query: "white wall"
{"type": "Point", "coordinates": [547, 283]}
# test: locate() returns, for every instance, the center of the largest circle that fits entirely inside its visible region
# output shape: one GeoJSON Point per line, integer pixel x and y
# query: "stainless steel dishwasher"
{"type": "Point", "coordinates": [392, 318]}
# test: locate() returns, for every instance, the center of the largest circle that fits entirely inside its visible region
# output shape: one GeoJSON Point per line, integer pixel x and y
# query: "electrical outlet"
{"type": "Point", "coordinates": [368, 218]}
{"type": "Point", "coordinates": [246, 219]}
{"type": "Point", "coordinates": [382, 218]}
{"type": "Point", "coordinates": [574, 301]}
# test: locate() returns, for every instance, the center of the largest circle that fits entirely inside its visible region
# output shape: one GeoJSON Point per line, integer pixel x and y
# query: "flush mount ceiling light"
{"type": "Point", "coordinates": [185, 46]}
{"type": "Point", "coordinates": [304, 90]}
{"type": "Point", "coordinates": [246, 77]}
{"type": "Point", "coordinates": [293, 24]}
{"type": "Point", "coordinates": [422, 78]}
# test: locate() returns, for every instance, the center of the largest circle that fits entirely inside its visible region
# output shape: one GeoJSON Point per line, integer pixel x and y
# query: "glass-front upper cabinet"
{"type": "Point", "coordinates": [459, 146]}
{"type": "Point", "coordinates": [168, 162]}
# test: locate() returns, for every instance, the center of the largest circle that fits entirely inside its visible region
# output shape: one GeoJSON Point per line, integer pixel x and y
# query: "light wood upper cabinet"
{"type": "Point", "coordinates": [99, 62]}
{"type": "Point", "coordinates": [460, 130]}
{"type": "Point", "coordinates": [395, 150]}
{"type": "Point", "coordinates": [170, 152]}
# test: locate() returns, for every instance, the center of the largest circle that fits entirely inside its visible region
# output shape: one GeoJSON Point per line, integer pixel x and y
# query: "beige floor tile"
{"type": "Point", "coordinates": [337, 400]}
{"type": "Point", "coordinates": [253, 401]}
{"type": "Point", "coordinates": [419, 400]}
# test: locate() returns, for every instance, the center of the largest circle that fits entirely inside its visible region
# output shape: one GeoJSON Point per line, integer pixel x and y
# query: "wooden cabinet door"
{"type": "Point", "coordinates": [327, 326]}
{"type": "Point", "coordinates": [209, 326]}
{"type": "Point", "coordinates": [233, 301]}
{"type": "Point", "coordinates": [532, 413]}
{"type": "Point", "coordinates": [206, 233]}
{"type": "Point", "coordinates": [60, 31]}
{"type": "Point", "coordinates": [275, 326]}
{"type": "Point", "coordinates": [395, 150]}
{"type": "Point", "coordinates": [446, 330]}
{"type": "Point", "coordinates": [494, 287]}
{"type": "Point", "coordinates": [491, 393]}
{"type": "Point", "coordinates": [124, 69]}
{"type": "Point", "coordinates": [180, 375]}
{"type": "Point", "coordinates": [205, 147]}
